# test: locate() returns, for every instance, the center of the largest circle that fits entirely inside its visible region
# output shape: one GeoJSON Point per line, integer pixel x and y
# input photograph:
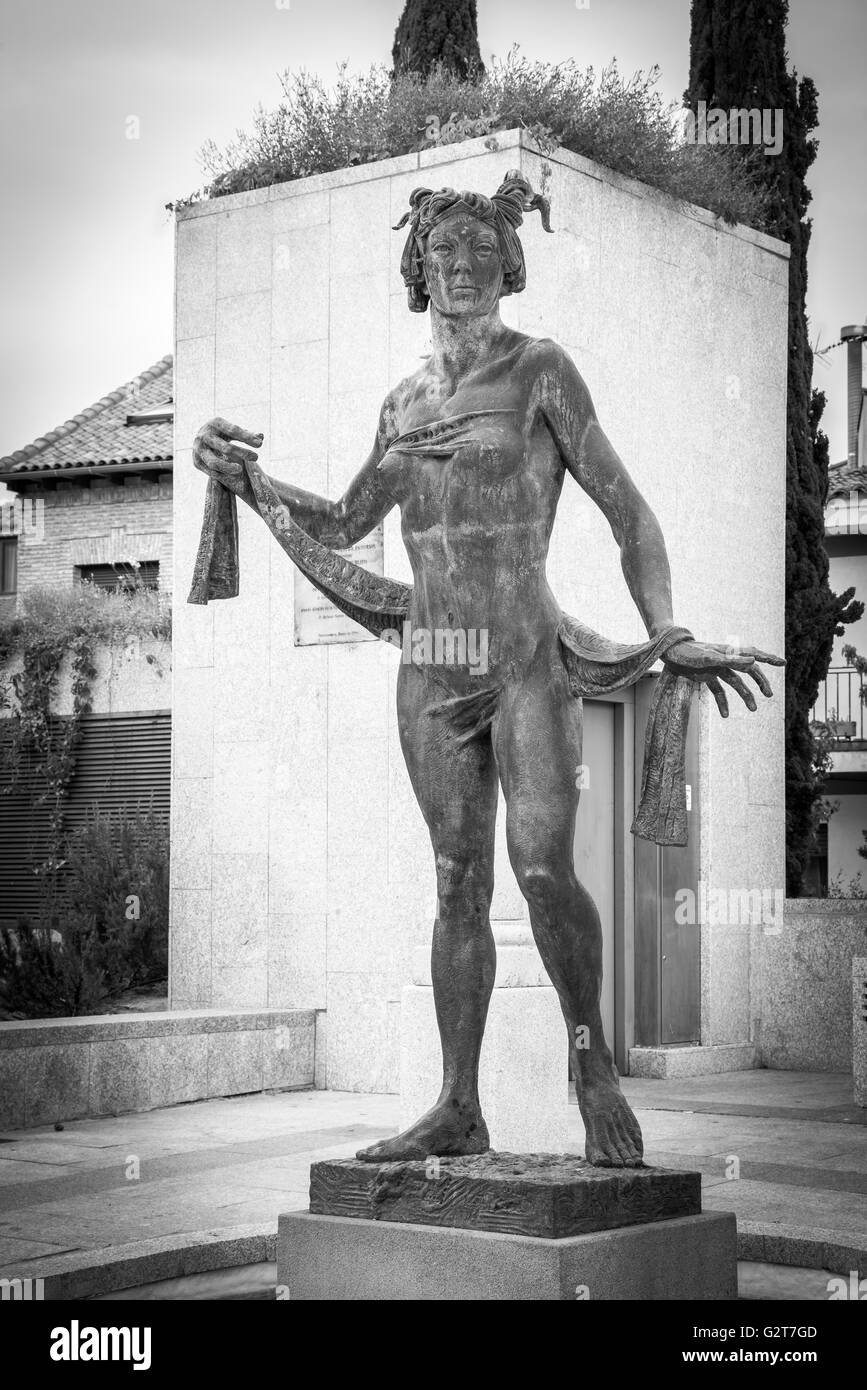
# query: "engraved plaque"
{"type": "Point", "coordinates": [317, 620]}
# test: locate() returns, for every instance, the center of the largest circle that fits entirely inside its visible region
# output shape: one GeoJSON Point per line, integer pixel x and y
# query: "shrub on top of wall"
{"type": "Point", "coordinates": [623, 124]}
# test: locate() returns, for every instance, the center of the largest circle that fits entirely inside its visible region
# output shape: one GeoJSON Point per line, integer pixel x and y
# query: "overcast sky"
{"type": "Point", "coordinates": [86, 246]}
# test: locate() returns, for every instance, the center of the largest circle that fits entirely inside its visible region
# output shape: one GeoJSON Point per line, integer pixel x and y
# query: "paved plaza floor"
{"type": "Point", "coordinates": [784, 1149]}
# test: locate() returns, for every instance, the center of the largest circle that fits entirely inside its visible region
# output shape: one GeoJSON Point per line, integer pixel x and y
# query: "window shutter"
{"type": "Point", "coordinates": [122, 761]}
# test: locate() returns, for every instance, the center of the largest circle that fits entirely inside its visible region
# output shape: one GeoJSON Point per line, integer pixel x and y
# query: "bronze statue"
{"type": "Point", "coordinates": [474, 447]}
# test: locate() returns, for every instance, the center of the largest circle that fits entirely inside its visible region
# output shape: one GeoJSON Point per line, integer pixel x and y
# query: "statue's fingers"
{"type": "Point", "coordinates": [219, 446]}
{"type": "Point", "coordinates": [232, 454]}
{"type": "Point", "coordinates": [247, 437]}
{"type": "Point", "coordinates": [220, 429]}
{"type": "Point", "coordinates": [760, 679]}
{"type": "Point", "coordinates": [218, 464]}
{"type": "Point", "coordinates": [210, 459]}
{"type": "Point", "coordinates": [709, 655]}
{"type": "Point", "coordinates": [210, 438]}
{"type": "Point", "coordinates": [719, 695]}
{"type": "Point", "coordinates": [703, 655]}
{"type": "Point", "coordinates": [739, 658]}
{"type": "Point", "coordinates": [239, 455]}
{"type": "Point", "coordinates": [737, 684]}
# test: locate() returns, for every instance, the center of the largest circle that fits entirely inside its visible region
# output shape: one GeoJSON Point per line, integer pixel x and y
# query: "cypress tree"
{"type": "Point", "coordinates": [738, 59]}
{"type": "Point", "coordinates": [438, 31]}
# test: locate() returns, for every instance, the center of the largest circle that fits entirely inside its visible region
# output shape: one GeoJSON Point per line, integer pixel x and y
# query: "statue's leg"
{"type": "Point", "coordinates": [537, 742]}
{"type": "Point", "coordinates": [456, 787]}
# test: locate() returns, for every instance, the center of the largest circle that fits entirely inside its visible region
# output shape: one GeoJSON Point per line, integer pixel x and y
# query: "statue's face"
{"type": "Point", "coordinates": [463, 266]}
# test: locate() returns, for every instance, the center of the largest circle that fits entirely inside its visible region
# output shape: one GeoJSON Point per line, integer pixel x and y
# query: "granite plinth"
{"type": "Point", "coordinates": [552, 1196]}
{"type": "Point", "coordinates": [343, 1259]}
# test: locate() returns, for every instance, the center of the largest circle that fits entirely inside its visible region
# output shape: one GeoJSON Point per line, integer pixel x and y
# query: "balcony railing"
{"type": "Point", "coordinates": [841, 707]}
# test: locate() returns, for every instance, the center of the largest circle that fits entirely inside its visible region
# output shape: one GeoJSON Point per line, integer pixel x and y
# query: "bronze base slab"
{"type": "Point", "coordinates": [554, 1196]}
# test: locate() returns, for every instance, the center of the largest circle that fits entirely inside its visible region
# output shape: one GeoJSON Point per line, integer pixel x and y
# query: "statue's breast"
{"type": "Point", "coordinates": [480, 450]}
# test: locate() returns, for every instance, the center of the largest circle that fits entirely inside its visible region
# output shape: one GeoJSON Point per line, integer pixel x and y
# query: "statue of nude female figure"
{"type": "Point", "coordinates": [502, 418]}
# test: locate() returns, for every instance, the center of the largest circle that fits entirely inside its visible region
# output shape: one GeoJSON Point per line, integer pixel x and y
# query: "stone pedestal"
{"type": "Point", "coordinates": [524, 1071]}
{"type": "Point", "coordinates": [504, 1226]}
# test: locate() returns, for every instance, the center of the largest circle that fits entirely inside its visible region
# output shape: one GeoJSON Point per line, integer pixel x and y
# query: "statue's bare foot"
{"type": "Point", "coordinates": [613, 1135]}
{"type": "Point", "coordinates": [450, 1127]}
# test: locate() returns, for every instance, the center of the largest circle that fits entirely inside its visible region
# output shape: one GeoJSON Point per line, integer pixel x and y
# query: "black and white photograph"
{"type": "Point", "coordinates": [433, 672]}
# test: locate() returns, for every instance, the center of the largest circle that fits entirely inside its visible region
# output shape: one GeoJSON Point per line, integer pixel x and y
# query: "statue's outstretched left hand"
{"type": "Point", "coordinates": [713, 663]}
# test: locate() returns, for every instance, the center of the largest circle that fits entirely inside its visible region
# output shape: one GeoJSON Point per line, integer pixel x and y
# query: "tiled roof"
{"type": "Point", "coordinates": [844, 478]}
{"type": "Point", "coordinates": [100, 435]}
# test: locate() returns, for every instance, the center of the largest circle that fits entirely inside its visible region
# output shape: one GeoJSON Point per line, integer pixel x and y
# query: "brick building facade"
{"type": "Point", "coordinates": [93, 498]}
{"type": "Point", "coordinates": [91, 501]}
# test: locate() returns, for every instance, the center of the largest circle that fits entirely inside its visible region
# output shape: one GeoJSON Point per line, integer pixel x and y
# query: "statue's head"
{"type": "Point", "coordinates": [463, 249]}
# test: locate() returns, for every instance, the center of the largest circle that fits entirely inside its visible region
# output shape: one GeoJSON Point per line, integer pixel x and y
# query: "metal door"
{"type": "Point", "coordinates": [595, 837]}
{"type": "Point", "coordinates": [667, 950]}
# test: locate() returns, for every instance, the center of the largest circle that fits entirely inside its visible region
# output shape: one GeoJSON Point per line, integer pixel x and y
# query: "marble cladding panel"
{"type": "Point", "coordinates": [196, 293]}
{"type": "Point", "coordinates": [177, 1069]}
{"type": "Point", "coordinates": [130, 1065]}
{"type": "Point", "coordinates": [353, 421]}
{"type": "Point", "coordinates": [300, 211]}
{"type": "Point", "coordinates": [243, 350]}
{"type": "Point", "coordinates": [807, 1011]}
{"type": "Point", "coordinates": [243, 250]}
{"type": "Point", "coordinates": [56, 1084]}
{"type": "Point", "coordinates": [241, 781]}
{"type": "Point", "coordinates": [234, 1063]}
{"type": "Point", "coordinates": [118, 1077]}
{"type": "Point", "coordinates": [727, 962]}
{"type": "Point", "coordinates": [299, 412]}
{"type": "Point", "coordinates": [192, 830]}
{"type": "Point", "coordinates": [357, 852]}
{"type": "Point", "coordinates": [297, 957]}
{"type": "Point", "coordinates": [859, 1027]}
{"type": "Point", "coordinates": [300, 294]}
{"type": "Point", "coordinates": [408, 338]}
{"type": "Point", "coordinates": [363, 1034]}
{"type": "Point", "coordinates": [195, 360]}
{"type": "Point", "coordinates": [358, 345]}
{"type": "Point", "coordinates": [190, 948]}
{"type": "Point", "coordinates": [239, 935]}
{"type": "Point", "coordinates": [13, 1075]}
{"type": "Point", "coordinates": [360, 231]}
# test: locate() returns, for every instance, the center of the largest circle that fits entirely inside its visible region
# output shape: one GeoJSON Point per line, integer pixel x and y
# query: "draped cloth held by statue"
{"type": "Point", "coordinates": [596, 666]}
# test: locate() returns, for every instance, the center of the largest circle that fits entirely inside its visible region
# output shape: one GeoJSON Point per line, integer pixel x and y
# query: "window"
{"type": "Point", "coordinates": [160, 414]}
{"type": "Point", "coordinates": [121, 576]}
{"type": "Point", "coordinates": [122, 762]}
{"type": "Point", "coordinates": [8, 564]}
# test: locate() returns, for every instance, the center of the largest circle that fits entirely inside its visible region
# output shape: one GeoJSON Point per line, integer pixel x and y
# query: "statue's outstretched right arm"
{"type": "Point", "coordinates": [219, 450]}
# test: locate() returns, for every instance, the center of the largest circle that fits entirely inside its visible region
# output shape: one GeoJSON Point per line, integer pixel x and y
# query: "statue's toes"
{"type": "Point", "coordinates": [375, 1153]}
{"type": "Point", "coordinates": [616, 1144]}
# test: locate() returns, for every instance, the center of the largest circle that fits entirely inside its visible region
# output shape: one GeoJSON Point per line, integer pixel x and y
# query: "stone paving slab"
{"type": "Point", "coordinates": [779, 1204]}
{"type": "Point", "coordinates": [13, 1250]}
{"type": "Point", "coordinates": [821, 1096]}
{"type": "Point", "coordinates": [790, 1174]}
{"type": "Point", "coordinates": [130, 1168]}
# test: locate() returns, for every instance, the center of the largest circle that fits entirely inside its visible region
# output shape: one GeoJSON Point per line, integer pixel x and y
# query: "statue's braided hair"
{"type": "Point", "coordinates": [504, 211]}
